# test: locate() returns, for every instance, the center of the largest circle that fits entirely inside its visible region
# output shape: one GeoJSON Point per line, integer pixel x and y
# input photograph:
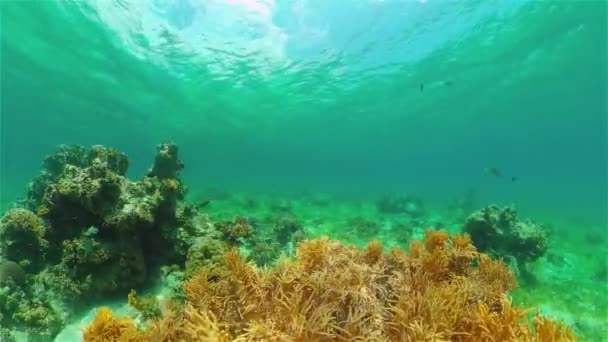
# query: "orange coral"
{"type": "Point", "coordinates": [107, 328]}
{"type": "Point", "coordinates": [373, 252]}
{"type": "Point", "coordinates": [441, 290]}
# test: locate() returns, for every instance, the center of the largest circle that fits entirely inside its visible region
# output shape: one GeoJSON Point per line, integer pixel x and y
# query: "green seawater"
{"type": "Point", "coordinates": [351, 98]}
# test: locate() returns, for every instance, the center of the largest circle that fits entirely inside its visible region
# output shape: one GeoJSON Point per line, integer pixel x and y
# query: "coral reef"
{"type": "Point", "coordinates": [87, 231]}
{"type": "Point", "coordinates": [264, 251]}
{"type": "Point", "coordinates": [22, 238]}
{"type": "Point", "coordinates": [277, 235]}
{"type": "Point", "coordinates": [442, 289]}
{"type": "Point", "coordinates": [148, 306]}
{"type": "Point", "coordinates": [498, 231]}
{"type": "Point", "coordinates": [206, 251]}
{"type": "Point", "coordinates": [208, 241]}
{"type": "Point", "coordinates": [285, 227]}
{"type": "Point", "coordinates": [237, 231]}
{"type": "Point", "coordinates": [23, 307]}
{"type": "Point", "coordinates": [105, 231]}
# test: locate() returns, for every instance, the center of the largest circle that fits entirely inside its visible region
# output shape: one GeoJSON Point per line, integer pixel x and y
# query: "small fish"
{"type": "Point", "coordinates": [421, 87]}
{"type": "Point", "coordinates": [495, 172]}
{"type": "Point", "coordinates": [202, 204]}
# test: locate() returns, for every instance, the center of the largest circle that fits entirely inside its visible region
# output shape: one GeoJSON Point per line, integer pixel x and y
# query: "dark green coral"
{"type": "Point", "coordinates": [500, 232]}
{"type": "Point", "coordinates": [26, 309]}
{"type": "Point", "coordinates": [23, 238]}
{"type": "Point", "coordinates": [87, 231]}
{"type": "Point", "coordinates": [11, 272]}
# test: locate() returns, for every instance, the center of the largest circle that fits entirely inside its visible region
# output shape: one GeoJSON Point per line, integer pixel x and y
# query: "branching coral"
{"type": "Point", "coordinates": [108, 328]}
{"type": "Point", "coordinates": [441, 289]}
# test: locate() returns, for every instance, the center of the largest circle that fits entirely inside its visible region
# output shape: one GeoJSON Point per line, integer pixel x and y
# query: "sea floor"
{"type": "Point", "coordinates": [569, 283]}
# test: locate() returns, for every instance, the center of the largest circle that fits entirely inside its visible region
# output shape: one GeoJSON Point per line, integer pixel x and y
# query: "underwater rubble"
{"type": "Point", "coordinates": [86, 232]}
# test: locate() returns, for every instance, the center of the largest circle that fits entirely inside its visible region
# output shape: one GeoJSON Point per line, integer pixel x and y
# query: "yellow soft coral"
{"type": "Point", "coordinates": [107, 328]}
{"type": "Point", "coordinates": [441, 290]}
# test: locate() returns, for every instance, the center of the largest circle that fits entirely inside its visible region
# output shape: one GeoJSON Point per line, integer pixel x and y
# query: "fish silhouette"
{"type": "Point", "coordinates": [493, 171]}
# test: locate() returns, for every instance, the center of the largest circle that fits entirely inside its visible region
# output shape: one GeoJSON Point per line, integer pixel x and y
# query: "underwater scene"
{"type": "Point", "coordinates": [303, 170]}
